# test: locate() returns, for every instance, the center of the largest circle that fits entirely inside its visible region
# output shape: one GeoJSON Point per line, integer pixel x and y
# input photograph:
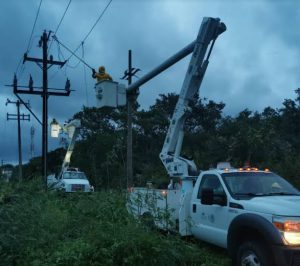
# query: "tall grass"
{"type": "Point", "coordinates": [38, 228]}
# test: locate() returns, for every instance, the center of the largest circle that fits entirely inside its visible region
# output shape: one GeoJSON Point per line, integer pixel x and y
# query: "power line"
{"type": "Point", "coordinates": [37, 14]}
{"type": "Point", "coordinates": [104, 10]}
{"type": "Point", "coordinates": [62, 18]}
{"type": "Point", "coordinates": [59, 53]}
{"type": "Point", "coordinates": [72, 53]}
{"type": "Point", "coordinates": [84, 39]}
{"type": "Point", "coordinates": [20, 71]}
{"type": "Point", "coordinates": [60, 57]}
{"type": "Point", "coordinates": [21, 60]}
{"type": "Point", "coordinates": [33, 27]}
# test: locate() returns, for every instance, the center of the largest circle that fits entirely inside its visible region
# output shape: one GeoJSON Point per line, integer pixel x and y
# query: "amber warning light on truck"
{"type": "Point", "coordinates": [250, 169]}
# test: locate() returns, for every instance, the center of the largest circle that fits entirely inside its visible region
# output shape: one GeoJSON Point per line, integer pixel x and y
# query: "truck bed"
{"type": "Point", "coordinates": [165, 207]}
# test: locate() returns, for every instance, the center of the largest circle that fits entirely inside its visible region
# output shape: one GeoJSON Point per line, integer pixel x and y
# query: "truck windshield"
{"type": "Point", "coordinates": [253, 184]}
{"type": "Point", "coordinates": [74, 175]}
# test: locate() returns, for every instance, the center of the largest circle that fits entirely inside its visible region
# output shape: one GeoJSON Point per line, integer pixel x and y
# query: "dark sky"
{"type": "Point", "coordinates": [254, 64]}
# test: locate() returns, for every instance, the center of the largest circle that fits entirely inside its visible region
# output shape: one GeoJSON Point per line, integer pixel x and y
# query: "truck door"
{"type": "Point", "coordinates": [210, 222]}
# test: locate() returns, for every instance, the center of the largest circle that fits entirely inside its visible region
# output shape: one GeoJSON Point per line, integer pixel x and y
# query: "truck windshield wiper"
{"type": "Point", "coordinates": [281, 194]}
{"type": "Point", "coordinates": [250, 194]}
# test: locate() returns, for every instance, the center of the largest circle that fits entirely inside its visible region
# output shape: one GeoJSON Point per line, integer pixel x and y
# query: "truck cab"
{"type": "Point", "coordinates": [71, 180]}
{"type": "Point", "coordinates": [249, 212]}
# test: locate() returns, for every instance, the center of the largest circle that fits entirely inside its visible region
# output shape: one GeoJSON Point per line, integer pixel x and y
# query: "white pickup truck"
{"type": "Point", "coordinates": [254, 214]}
{"type": "Point", "coordinates": [71, 180]}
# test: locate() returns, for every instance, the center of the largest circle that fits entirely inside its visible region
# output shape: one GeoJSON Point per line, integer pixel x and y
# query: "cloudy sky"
{"type": "Point", "coordinates": [254, 64]}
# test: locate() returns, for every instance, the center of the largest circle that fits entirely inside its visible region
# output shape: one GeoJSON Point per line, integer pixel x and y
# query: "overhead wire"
{"type": "Point", "coordinates": [21, 72]}
{"type": "Point", "coordinates": [21, 60]}
{"type": "Point", "coordinates": [73, 53]}
{"type": "Point", "coordinates": [88, 34]}
{"type": "Point", "coordinates": [36, 17]}
{"type": "Point", "coordinates": [60, 56]}
{"type": "Point", "coordinates": [62, 18]}
{"type": "Point", "coordinates": [31, 34]}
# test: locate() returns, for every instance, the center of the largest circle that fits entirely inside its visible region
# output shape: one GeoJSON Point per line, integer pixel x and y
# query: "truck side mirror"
{"type": "Point", "coordinates": [207, 196]}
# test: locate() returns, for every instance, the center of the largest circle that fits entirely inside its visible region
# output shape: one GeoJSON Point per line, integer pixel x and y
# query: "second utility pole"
{"type": "Point", "coordinates": [131, 98]}
{"type": "Point", "coordinates": [44, 40]}
{"type": "Point", "coordinates": [130, 101]}
{"type": "Point", "coordinates": [18, 117]}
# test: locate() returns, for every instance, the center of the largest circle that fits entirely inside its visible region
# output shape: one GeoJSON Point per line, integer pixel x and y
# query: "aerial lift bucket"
{"type": "Point", "coordinates": [110, 94]}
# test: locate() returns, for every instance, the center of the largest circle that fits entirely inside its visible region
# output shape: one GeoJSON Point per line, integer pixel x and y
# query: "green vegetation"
{"type": "Point", "coordinates": [38, 228]}
{"type": "Point", "coordinates": [269, 139]}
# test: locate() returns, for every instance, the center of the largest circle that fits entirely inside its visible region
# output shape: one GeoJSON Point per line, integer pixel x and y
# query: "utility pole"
{"type": "Point", "coordinates": [44, 64]}
{"type": "Point", "coordinates": [32, 132]}
{"type": "Point", "coordinates": [18, 117]}
{"type": "Point", "coordinates": [131, 98]}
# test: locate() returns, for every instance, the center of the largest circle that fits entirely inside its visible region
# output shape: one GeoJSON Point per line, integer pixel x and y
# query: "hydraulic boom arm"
{"type": "Point", "coordinates": [176, 165]}
{"type": "Point", "coordinates": [72, 128]}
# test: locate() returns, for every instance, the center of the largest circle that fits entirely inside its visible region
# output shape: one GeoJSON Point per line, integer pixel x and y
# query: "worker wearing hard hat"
{"type": "Point", "coordinates": [101, 75]}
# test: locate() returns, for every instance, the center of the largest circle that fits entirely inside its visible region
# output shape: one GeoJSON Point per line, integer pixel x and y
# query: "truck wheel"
{"type": "Point", "coordinates": [253, 253]}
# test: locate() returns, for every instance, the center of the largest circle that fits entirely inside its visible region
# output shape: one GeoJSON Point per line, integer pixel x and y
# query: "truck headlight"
{"type": "Point", "coordinates": [289, 227]}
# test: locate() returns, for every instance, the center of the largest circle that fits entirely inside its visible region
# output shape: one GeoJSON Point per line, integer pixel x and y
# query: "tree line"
{"type": "Point", "coordinates": [267, 139]}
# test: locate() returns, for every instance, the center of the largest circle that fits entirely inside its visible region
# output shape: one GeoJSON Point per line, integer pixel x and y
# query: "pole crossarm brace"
{"type": "Point", "coordinates": [27, 107]}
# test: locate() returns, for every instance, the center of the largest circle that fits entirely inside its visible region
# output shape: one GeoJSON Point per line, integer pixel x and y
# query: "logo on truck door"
{"type": "Point", "coordinates": [211, 218]}
{"type": "Point", "coordinates": [208, 217]}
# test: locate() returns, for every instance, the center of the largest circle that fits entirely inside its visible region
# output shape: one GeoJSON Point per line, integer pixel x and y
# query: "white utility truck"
{"type": "Point", "coordinates": [69, 179]}
{"type": "Point", "coordinates": [254, 214]}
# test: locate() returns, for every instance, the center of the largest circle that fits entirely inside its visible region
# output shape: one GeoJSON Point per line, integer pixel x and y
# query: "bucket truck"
{"type": "Point", "coordinates": [254, 214]}
{"type": "Point", "coordinates": [69, 179]}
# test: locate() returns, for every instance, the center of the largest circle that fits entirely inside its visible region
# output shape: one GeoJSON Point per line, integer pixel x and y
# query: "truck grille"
{"type": "Point", "coordinates": [296, 260]}
{"type": "Point", "coordinates": [77, 187]}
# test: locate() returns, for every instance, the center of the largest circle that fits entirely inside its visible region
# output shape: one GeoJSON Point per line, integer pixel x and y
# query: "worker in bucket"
{"type": "Point", "coordinates": [101, 75]}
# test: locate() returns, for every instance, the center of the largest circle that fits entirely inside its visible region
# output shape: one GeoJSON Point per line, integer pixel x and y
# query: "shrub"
{"type": "Point", "coordinates": [38, 228]}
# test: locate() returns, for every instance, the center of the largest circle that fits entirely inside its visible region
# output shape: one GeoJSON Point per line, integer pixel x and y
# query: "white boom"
{"type": "Point", "coordinates": [176, 165]}
{"type": "Point", "coordinates": [72, 128]}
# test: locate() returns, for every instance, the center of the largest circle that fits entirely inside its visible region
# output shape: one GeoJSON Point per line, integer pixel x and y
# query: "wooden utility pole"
{"type": "Point", "coordinates": [131, 98]}
{"type": "Point", "coordinates": [18, 117]}
{"type": "Point", "coordinates": [129, 128]}
{"type": "Point", "coordinates": [44, 64]}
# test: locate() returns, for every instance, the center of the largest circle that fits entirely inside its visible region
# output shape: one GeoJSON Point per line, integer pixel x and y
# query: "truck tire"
{"type": "Point", "coordinates": [253, 253]}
